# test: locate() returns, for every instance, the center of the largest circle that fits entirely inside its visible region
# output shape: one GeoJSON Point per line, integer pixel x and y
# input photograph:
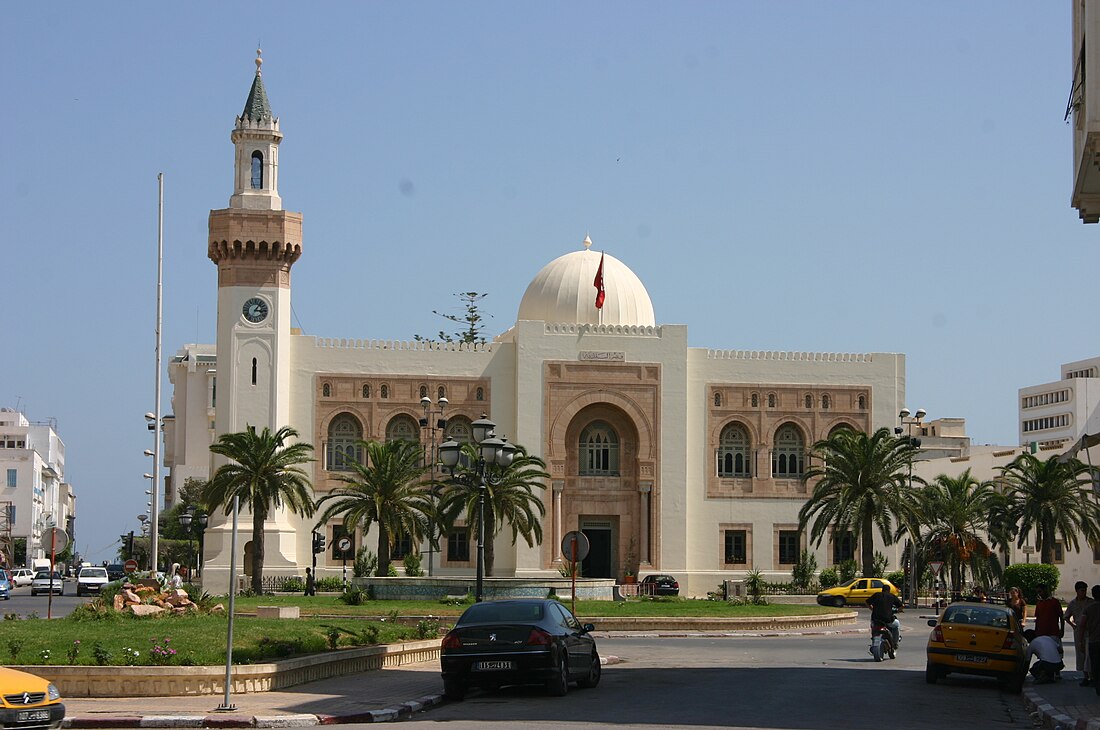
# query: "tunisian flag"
{"type": "Point", "coordinates": [598, 283]}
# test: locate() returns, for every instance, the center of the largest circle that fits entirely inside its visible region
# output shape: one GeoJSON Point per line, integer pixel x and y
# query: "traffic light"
{"type": "Point", "coordinates": [130, 544]}
{"type": "Point", "coordinates": [318, 543]}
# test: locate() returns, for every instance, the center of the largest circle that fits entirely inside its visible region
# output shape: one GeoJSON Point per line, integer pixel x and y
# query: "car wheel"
{"type": "Point", "coordinates": [839, 601]}
{"type": "Point", "coordinates": [454, 690]}
{"type": "Point", "coordinates": [1013, 683]}
{"type": "Point", "coordinates": [931, 673]}
{"type": "Point", "coordinates": [558, 685]}
{"type": "Point", "coordinates": [594, 672]}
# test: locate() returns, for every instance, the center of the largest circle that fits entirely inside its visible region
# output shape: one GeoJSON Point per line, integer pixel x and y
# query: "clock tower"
{"type": "Point", "coordinates": [254, 242]}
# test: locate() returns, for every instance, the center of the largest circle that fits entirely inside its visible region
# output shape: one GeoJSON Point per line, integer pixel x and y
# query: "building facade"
{"type": "Point", "coordinates": [670, 458]}
{"type": "Point", "coordinates": [1059, 413]}
{"type": "Point", "coordinates": [33, 493]}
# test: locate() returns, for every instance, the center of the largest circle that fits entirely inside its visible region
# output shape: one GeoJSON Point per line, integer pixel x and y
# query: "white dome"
{"type": "Point", "coordinates": [563, 292]}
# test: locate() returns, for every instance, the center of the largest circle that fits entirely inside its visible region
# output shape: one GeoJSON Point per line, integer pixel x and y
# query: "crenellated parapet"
{"type": "Point", "coordinates": [335, 343]}
{"type": "Point", "coordinates": [789, 356]}
{"type": "Point", "coordinates": [572, 328]}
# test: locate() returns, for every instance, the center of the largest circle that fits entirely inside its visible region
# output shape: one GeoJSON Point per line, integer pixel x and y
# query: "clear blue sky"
{"type": "Point", "coordinates": [838, 177]}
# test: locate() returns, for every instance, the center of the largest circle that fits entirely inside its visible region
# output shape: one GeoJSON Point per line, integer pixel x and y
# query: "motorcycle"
{"type": "Point", "coordinates": [882, 642]}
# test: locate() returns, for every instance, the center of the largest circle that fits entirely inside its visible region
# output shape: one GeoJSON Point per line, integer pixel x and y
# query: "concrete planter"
{"type": "Point", "coordinates": [419, 589]}
{"type": "Point", "coordinates": [156, 681]}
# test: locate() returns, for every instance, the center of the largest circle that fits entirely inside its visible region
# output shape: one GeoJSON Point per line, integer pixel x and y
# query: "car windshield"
{"type": "Point", "coordinates": [501, 613]}
{"type": "Point", "coordinates": [847, 583]}
{"type": "Point", "coordinates": [93, 573]}
{"type": "Point", "coordinates": [46, 576]}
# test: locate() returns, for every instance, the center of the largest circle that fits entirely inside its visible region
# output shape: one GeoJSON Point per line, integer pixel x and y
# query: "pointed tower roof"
{"type": "Point", "coordinates": [257, 108]}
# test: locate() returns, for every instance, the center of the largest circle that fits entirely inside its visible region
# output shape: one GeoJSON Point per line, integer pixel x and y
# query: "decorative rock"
{"type": "Point", "coordinates": [130, 597]}
{"type": "Point", "coordinates": [218, 608]}
{"type": "Point", "coordinates": [144, 610]}
{"type": "Point", "coordinates": [119, 603]}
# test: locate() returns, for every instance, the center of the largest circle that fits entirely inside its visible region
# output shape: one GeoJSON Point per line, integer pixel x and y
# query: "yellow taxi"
{"type": "Point", "coordinates": [978, 638]}
{"type": "Point", "coordinates": [28, 701]}
{"type": "Point", "coordinates": [855, 591]}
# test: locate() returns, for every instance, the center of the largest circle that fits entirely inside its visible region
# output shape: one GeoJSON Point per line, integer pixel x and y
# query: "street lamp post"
{"type": "Point", "coordinates": [907, 421]}
{"type": "Point", "coordinates": [432, 455]}
{"type": "Point", "coordinates": [189, 521]}
{"type": "Point", "coordinates": [491, 450]}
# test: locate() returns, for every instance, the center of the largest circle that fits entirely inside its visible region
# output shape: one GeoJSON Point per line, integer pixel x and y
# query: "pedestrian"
{"type": "Point", "coordinates": [1049, 619]}
{"type": "Point", "coordinates": [1048, 656]}
{"type": "Point", "coordinates": [1092, 636]}
{"type": "Point", "coordinates": [1018, 605]}
{"type": "Point", "coordinates": [1075, 617]}
{"type": "Point", "coordinates": [311, 585]}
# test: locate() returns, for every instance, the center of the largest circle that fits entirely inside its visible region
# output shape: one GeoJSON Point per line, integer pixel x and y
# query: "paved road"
{"type": "Point", "coordinates": [785, 683]}
{"type": "Point", "coordinates": [23, 603]}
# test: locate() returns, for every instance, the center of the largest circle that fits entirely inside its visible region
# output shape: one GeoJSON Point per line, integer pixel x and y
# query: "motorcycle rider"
{"type": "Point", "coordinates": [883, 606]}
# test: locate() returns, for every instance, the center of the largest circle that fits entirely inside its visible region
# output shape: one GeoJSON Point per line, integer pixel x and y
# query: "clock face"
{"type": "Point", "coordinates": [255, 310]}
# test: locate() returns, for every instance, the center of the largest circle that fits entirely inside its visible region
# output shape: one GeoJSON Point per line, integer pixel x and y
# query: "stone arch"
{"type": "Point", "coordinates": [561, 422]}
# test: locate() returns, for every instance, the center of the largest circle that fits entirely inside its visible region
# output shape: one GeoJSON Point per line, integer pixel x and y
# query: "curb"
{"type": "Point", "coordinates": [1046, 715]}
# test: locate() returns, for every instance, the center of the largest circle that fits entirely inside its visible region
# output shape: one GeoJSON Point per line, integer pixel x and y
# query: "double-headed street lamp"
{"type": "Point", "coordinates": [190, 519]}
{"type": "Point", "coordinates": [491, 450]}
{"type": "Point", "coordinates": [914, 443]}
{"type": "Point", "coordinates": [432, 456]}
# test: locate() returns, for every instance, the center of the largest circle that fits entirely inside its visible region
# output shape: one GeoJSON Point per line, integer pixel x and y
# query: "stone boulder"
{"type": "Point", "coordinates": [140, 609]}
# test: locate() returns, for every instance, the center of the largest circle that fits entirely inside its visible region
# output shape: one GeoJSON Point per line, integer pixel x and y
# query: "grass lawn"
{"type": "Point", "coordinates": [199, 640]}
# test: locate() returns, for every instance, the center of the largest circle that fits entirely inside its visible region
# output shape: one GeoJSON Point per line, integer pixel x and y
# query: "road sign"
{"type": "Point", "coordinates": [57, 538]}
{"type": "Point", "coordinates": [343, 544]}
{"type": "Point", "coordinates": [574, 546]}
{"type": "Point", "coordinates": [130, 565]}
{"type": "Point", "coordinates": [936, 566]}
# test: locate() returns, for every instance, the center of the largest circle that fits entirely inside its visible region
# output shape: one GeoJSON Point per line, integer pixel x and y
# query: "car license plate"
{"type": "Point", "coordinates": [972, 658]}
{"type": "Point", "coordinates": [31, 715]}
{"type": "Point", "coordinates": [492, 666]}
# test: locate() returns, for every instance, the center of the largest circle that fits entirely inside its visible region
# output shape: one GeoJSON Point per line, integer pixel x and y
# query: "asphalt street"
{"type": "Point", "coordinates": [23, 603]}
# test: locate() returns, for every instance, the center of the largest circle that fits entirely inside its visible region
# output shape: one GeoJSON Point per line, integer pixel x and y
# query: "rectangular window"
{"type": "Point", "coordinates": [402, 546]}
{"type": "Point", "coordinates": [788, 547]}
{"type": "Point", "coordinates": [1059, 552]}
{"type": "Point", "coordinates": [12, 477]}
{"type": "Point", "coordinates": [1095, 552]}
{"type": "Point", "coordinates": [844, 547]}
{"type": "Point", "coordinates": [458, 546]}
{"type": "Point", "coordinates": [736, 552]}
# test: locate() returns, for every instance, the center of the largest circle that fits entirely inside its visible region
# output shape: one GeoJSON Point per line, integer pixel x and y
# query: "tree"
{"type": "Point", "coordinates": [471, 320]}
{"type": "Point", "coordinates": [955, 513]}
{"type": "Point", "coordinates": [387, 490]}
{"type": "Point", "coordinates": [1055, 498]}
{"type": "Point", "coordinates": [264, 472]}
{"type": "Point", "coordinates": [860, 487]}
{"type": "Point", "coordinates": [509, 498]}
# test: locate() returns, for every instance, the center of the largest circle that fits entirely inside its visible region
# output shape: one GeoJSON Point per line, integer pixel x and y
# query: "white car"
{"type": "Point", "coordinates": [47, 582]}
{"type": "Point", "coordinates": [22, 577]}
{"type": "Point", "coordinates": [91, 580]}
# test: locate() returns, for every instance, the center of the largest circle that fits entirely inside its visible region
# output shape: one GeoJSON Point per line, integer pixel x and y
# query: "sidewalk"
{"type": "Point", "coordinates": [1064, 704]}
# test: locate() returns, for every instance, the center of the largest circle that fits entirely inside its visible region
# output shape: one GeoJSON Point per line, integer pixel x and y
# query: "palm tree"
{"type": "Point", "coordinates": [1053, 497]}
{"type": "Point", "coordinates": [956, 512]}
{"type": "Point", "coordinates": [509, 497]}
{"type": "Point", "coordinates": [387, 490]}
{"type": "Point", "coordinates": [861, 486]}
{"type": "Point", "coordinates": [264, 473]}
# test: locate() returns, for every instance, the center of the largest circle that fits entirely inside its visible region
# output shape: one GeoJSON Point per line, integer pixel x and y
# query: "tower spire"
{"type": "Point", "coordinates": [256, 137]}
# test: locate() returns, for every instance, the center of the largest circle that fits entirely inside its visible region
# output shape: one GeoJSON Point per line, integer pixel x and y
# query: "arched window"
{"type": "Point", "coordinates": [755, 400]}
{"type": "Point", "coordinates": [771, 400]}
{"type": "Point", "coordinates": [343, 449]}
{"type": "Point", "coordinates": [423, 391]}
{"type": "Point", "coordinates": [326, 390]}
{"type": "Point", "coordinates": [458, 429]}
{"type": "Point", "coordinates": [480, 394]}
{"type": "Point", "coordinates": [384, 391]}
{"type": "Point", "coordinates": [403, 428]}
{"type": "Point", "coordinates": [718, 399]}
{"type": "Point", "coordinates": [366, 390]}
{"type": "Point", "coordinates": [789, 454]}
{"type": "Point", "coordinates": [809, 401]}
{"type": "Point", "coordinates": [734, 449]}
{"type": "Point", "coordinates": [440, 393]}
{"type": "Point", "coordinates": [257, 170]}
{"type": "Point", "coordinates": [862, 402]}
{"type": "Point", "coordinates": [599, 451]}
{"type": "Point", "coordinates": [824, 402]}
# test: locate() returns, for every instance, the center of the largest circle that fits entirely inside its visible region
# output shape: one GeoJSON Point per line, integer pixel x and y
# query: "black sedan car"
{"type": "Point", "coordinates": [659, 585]}
{"type": "Point", "coordinates": [523, 641]}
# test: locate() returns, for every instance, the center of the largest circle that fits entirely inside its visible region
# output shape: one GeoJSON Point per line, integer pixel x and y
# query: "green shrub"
{"type": "Point", "coordinates": [14, 647]}
{"type": "Point", "coordinates": [353, 596]}
{"type": "Point", "coordinates": [427, 628]}
{"type": "Point", "coordinates": [897, 578]}
{"type": "Point", "coordinates": [366, 563]}
{"type": "Point", "coordinates": [804, 569]}
{"type": "Point", "coordinates": [412, 565]}
{"type": "Point", "coordinates": [880, 562]}
{"type": "Point", "coordinates": [755, 584]}
{"type": "Point", "coordinates": [828, 578]}
{"type": "Point", "coordinates": [293, 585]}
{"type": "Point", "coordinates": [1029, 576]}
{"type": "Point", "coordinates": [847, 569]}
{"type": "Point", "coordinates": [330, 583]}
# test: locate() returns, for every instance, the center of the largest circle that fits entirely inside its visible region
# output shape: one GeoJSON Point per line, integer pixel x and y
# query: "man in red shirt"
{"type": "Point", "coordinates": [1049, 620]}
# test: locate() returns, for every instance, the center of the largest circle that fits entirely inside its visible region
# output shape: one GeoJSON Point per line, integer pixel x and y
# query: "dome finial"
{"type": "Point", "coordinates": [259, 61]}
{"type": "Point", "coordinates": [587, 242]}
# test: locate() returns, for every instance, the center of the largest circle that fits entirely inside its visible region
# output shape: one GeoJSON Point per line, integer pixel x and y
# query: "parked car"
{"type": "Point", "coordinates": [91, 580]}
{"type": "Point", "coordinates": [29, 701]}
{"type": "Point", "coordinates": [854, 592]}
{"type": "Point", "coordinates": [522, 641]}
{"type": "Point", "coordinates": [659, 585]}
{"type": "Point", "coordinates": [5, 586]}
{"type": "Point", "coordinates": [977, 638]}
{"type": "Point", "coordinates": [47, 582]}
{"type": "Point", "coordinates": [115, 571]}
{"type": "Point", "coordinates": [22, 577]}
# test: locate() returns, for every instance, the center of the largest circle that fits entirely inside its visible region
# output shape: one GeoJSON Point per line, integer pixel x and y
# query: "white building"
{"type": "Point", "coordinates": [32, 462]}
{"type": "Point", "coordinates": [1061, 412]}
{"type": "Point", "coordinates": [670, 458]}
